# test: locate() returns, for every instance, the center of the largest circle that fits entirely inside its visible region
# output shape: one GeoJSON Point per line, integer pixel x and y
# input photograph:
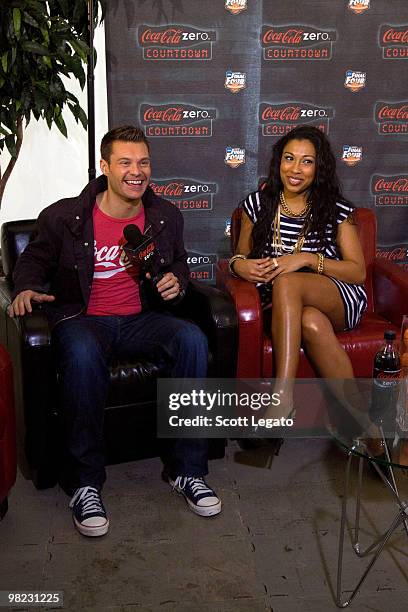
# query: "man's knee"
{"type": "Point", "coordinates": [190, 337]}
{"type": "Point", "coordinates": [81, 352]}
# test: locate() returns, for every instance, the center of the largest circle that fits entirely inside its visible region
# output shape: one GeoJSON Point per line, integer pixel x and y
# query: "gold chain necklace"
{"type": "Point", "coordinates": [289, 211]}
{"type": "Point", "coordinates": [277, 242]}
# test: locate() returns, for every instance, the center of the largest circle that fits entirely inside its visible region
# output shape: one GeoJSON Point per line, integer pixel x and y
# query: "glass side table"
{"type": "Point", "coordinates": [360, 450]}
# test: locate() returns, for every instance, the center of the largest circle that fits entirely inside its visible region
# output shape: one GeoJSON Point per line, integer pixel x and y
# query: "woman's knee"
{"type": "Point", "coordinates": [285, 287]}
{"type": "Point", "coordinates": [315, 325]}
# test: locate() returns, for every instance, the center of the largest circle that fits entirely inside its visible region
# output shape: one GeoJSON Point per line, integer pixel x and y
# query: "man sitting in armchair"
{"type": "Point", "coordinates": [101, 306]}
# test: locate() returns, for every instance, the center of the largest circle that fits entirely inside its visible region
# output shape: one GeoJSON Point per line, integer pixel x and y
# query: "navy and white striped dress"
{"type": "Point", "coordinates": [354, 296]}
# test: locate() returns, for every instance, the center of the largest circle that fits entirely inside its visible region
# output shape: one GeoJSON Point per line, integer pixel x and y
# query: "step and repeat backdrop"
{"type": "Point", "coordinates": [214, 83]}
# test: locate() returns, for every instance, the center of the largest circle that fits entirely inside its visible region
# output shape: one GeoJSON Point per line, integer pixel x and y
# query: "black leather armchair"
{"type": "Point", "coordinates": [130, 417]}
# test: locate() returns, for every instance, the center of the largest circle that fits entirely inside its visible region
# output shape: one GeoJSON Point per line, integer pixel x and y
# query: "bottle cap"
{"type": "Point", "coordinates": [389, 334]}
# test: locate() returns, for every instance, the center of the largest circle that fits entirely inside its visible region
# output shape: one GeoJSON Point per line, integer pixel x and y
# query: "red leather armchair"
{"type": "Point", "coordinates": [8, 460]}
{"type": "Point", "coordinates": [387, 289]}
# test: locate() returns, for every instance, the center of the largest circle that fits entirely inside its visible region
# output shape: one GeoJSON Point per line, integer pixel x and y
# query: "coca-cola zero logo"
{"type": "Point", "coordinates": [292, 42]}
{"type": "Point", "coordinates": [201, 265]}
{"type": "Point", "coordinates": [391, 117]}
{"type": "Point", "coordinates": [186, 194]}
{"type": "Point", "coordinates": [175, 42]}
{"type": "Point", "coordinates": [390, 190]}
{"type": "Point", "coordinates": [279, 119]}
{"type": "Point", "coordinates": [177, 120]}
{"type": "Point", "coordinates": [394, 41]}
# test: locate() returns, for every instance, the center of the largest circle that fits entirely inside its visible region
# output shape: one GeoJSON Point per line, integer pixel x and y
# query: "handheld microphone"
{"type": "Point", "coordinates": [141, 251]}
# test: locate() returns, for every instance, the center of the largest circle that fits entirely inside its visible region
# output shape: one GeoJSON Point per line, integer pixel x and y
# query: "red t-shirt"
{"type": "Point", "coordinates": [115, 286]}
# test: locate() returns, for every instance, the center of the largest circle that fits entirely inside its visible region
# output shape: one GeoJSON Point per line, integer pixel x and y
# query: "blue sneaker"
{"type": "Point", "coordinates": [88, 512]}
{"type": "Point", "coordinates": [199, 496]}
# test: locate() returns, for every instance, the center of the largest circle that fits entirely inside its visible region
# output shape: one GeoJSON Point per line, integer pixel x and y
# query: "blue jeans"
{"type": "Point", "coordinates": [84, 347]}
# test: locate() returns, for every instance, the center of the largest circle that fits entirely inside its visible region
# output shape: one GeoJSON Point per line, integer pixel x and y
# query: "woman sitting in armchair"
{"type": "Point", "coordinates": [300, 222]}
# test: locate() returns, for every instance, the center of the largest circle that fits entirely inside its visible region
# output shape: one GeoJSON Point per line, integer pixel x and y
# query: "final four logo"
{"type": "Point", "coordinates": [235, 81]}
{"type": "Point", "coordinates": [175, 42]}
{"type": "Point", "coordinates": [186, 194]}
{"type": "Point", "coordinates": [297, 42]}
{"type": "Point", "coordinates": [394, 41]}
{"type": "Point", "coordinates": [355, 80]}
{"type": "Point", "coordinates": [236, 6]}
{"type": "Point", "coordinates": [234, 156]}
{"type": "Point", "coordinates": [352, 155]}
{"type": "Point", "coordinates": [359, 6]}
{"type": "Point", "coordinates": [177, 120]}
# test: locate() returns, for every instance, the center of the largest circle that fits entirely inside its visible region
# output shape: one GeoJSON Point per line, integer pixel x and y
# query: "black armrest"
{"type": "Point", "coordinates": [33, 328]}
{"type": "Point", "coordinates": [28, 341]}
{"type": "Point", "coordinates": [214, 312]}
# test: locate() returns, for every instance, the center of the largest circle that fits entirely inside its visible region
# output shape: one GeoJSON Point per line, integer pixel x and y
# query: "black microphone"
{"type": "Point", "coordinates": [142, 251]}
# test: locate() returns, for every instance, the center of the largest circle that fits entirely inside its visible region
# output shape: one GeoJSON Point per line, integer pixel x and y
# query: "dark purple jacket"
{"type": "Point", "coordinates": [60, 258]}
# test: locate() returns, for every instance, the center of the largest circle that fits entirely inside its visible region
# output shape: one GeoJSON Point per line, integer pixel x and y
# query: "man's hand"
{"type": "Point", "coordinates": [22, 302]}
{"type": "Point", "coordinates": [168, 286]}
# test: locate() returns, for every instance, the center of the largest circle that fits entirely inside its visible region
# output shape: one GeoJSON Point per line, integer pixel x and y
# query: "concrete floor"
{"type": "Point", "coordinates": [274, 546]}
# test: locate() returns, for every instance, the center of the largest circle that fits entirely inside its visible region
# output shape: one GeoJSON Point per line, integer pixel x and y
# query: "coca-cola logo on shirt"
{"type": "Point", "coordinates": [177, 120]}
{"type": "Point", "coordinates": [391, 117]}
{"type": "Point", "coordinates": [201, 265]}
{"type": "Point", "coordinates": [394, 41]}
{"type": "Point", "coordinates": [175, 42]}
{"type": "Point", "coordinates": [186, 194]}
{"type": "Point", "coordinates": [290, 42]}
{"type": "Point", "coordinates": [390, 190]}
{"type": "Point", "coordinates": [278, 119]}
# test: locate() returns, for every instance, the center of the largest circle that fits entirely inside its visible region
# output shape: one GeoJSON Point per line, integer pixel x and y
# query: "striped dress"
{"type": "Point", "coordinates": [354, 296]}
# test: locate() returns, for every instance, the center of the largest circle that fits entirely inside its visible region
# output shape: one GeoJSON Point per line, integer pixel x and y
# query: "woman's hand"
{"type": "Point", "coordinates": [255, 270]}
{"type": "Point", "coordinates": [292, 263]}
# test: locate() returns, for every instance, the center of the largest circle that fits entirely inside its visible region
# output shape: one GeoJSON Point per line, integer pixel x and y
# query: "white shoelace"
{"type": "Point", "coordinates": [89, 497]}
{"type": "Point", "coordinates": [197, 485]}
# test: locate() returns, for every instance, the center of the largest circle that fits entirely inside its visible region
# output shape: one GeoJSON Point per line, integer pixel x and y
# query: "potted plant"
{"type": "Point", "coordinates": [40, 42]}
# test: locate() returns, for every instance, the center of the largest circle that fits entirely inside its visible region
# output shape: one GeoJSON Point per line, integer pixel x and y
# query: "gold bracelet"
{"type": "Point", "coordinates": [231, 263]}
{"type": "Point", "coordinates": [320, 263]}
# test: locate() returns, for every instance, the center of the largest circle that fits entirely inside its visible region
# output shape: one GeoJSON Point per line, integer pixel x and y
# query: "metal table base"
{"type": "Point", "coordinates": [377, 546]}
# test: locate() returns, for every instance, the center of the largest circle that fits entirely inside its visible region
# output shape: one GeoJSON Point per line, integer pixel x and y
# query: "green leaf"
{"type": "Point", "coordinates": [13, 55]}
{"type": "Point", "coordinates": [80, 48]}
{"type": "Point", "coordinates": [30, 20]}
{"type": "Point", "coordinates": [60, 123]}
{"type": "Point", "coordinates": [17, 21]}
{"type": "Point", "coordinates": [46, 35]}
{"type": "Point", "coordinates": [4, 61]}
{"type": "Point", "coordinates": [35, 47]}
{"type": "Point", "coordinates": [47, 61]}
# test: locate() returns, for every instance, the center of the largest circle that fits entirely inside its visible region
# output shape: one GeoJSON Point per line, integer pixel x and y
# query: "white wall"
{"type": "Point", "coordinates": [51, 166]}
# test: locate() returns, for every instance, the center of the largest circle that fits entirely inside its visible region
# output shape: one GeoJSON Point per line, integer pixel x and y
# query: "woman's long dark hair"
{"type": "Point", "coordinates": [324, 192]}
